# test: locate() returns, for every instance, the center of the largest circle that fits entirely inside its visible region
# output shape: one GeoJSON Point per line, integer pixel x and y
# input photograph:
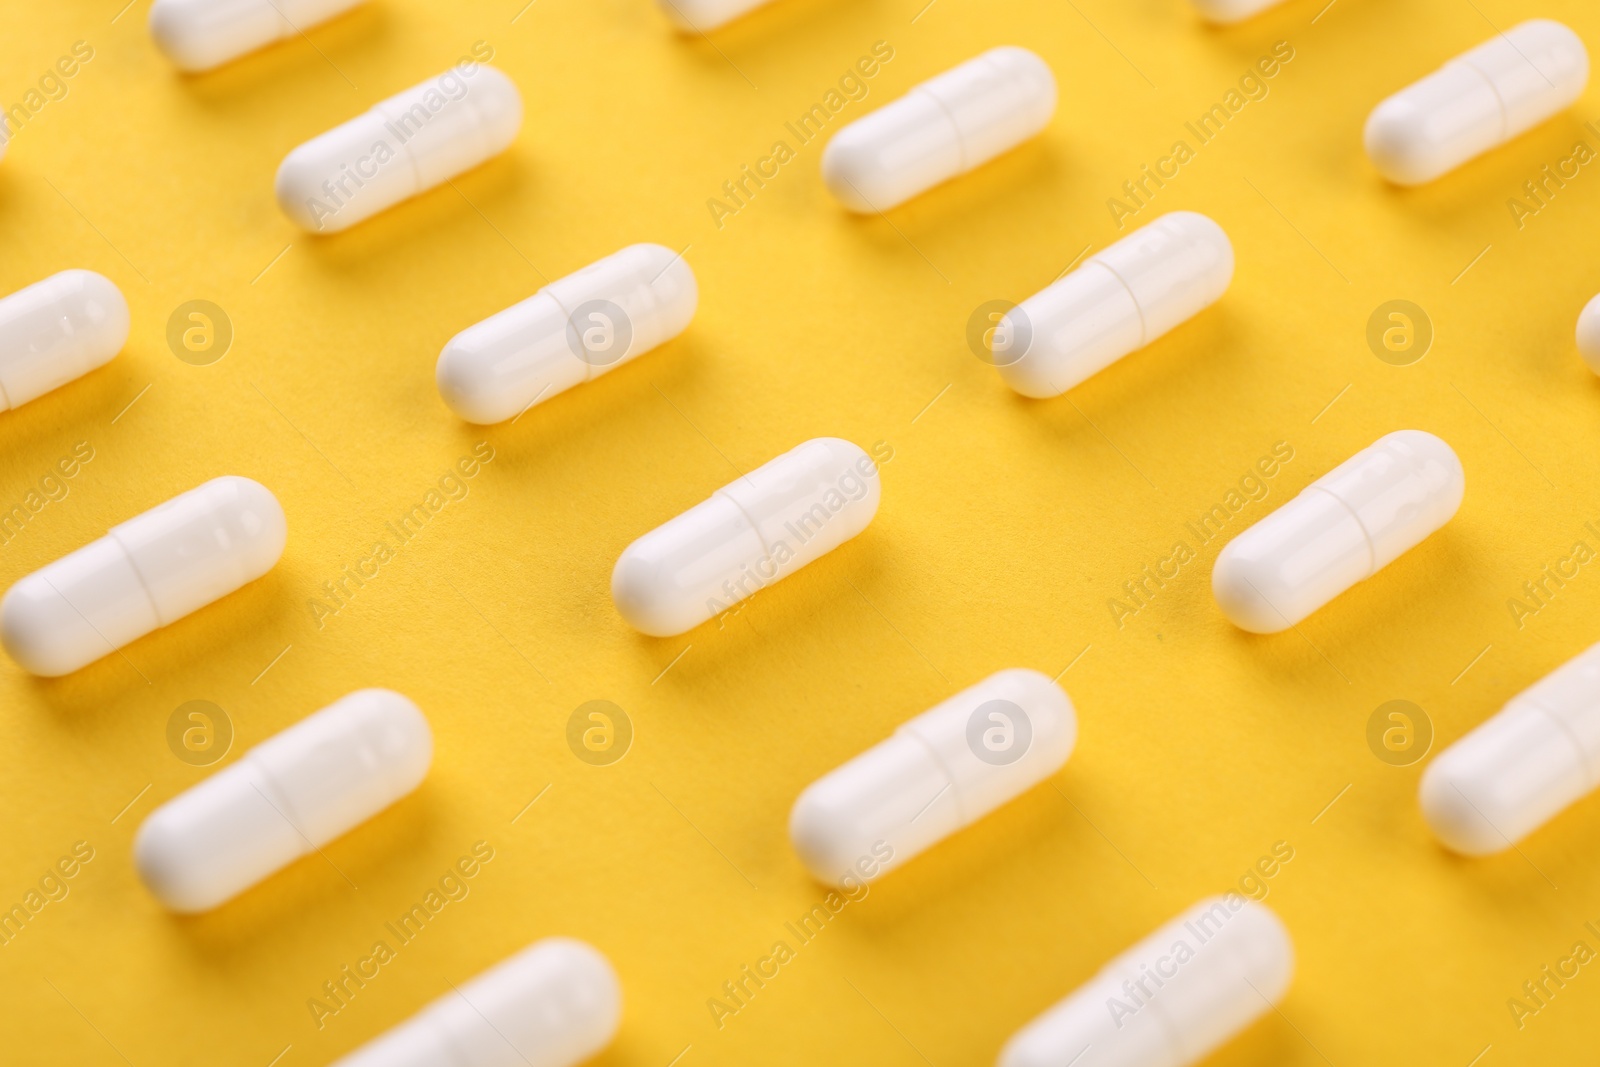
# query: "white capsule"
{"type": "Point", "coordinates": [1477, 101]}
{"type": "Point", "coordinates": [941, 771]}
{"type": "Point", "coordinates": [1346, 526]}
{"type": "Point", "coordinates": [198, 35]}
{"type": "Point", "coordinates": [286, 797]}
{"type": "Point", "coordinates": [698, 16]}
{"type": "Point", "coordinates": [405, 145]}
{"type": "Point", "coordinates": [57, 330]}
{"type": "Point", "coordinates": [1521, 768]}
{"type": "Point", "coordinates": [759, 528]}
{"type": "Point", "coordinates": [1225, 11]}
{"type": "Point", "coordinates": [571, 331]}
{"type": "Point", "coordinates": [146, 573]}
{"type": "Point", "coordinates": [1120, 300]}
{"type": "Point", "coordinates": [943, 128]}
{"type": "Point", "coordinates": [554, 1004]}
{"type": "Point", "coordinates": [1171, 999]}
{"type": "Point", "coordinates": [1589, 334]}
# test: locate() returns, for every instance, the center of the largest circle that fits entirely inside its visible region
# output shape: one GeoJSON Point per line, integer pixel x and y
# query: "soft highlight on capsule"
{"type": "Point", "coordinates": [1230, 11]}
{"type": "Point", "coordinates": [571, 331]}
{"type": "Point", "coordinates": [938, 773]}
{"type": "Point", "coordinates": [1343, 528]}
{"type": "Point", "coordinates": [285, 798]}
{"type": "Point", "coordinates": [1173, 998]}
{"type": "Point", "coordinates": [943, 128]}
{"type": "Point", "coordinates": [1477, 101]}
{"type": "Point", "coordinates": [1589, 334]}
{"type": "Point", "coordinates": [146, 573]}
{"type": "Point", "coordinates": [1119, 301]}
{"type": "Point", "coordinates": [405, 145]}
{"type": "Point", "coordinates": [58, 330]}
{"type": "Point", "coordinates": [698, 16]}
{"type": "Point", "coordinates": [199, 35]}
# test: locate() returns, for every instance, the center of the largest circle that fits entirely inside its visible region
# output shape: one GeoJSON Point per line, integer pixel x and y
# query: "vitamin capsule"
{"type": "Point", "coordinates": [198, 35]}
{"type": "Point", "coordinates": [1120, 300]}
{"type": "Point", "coordinates": [1225, 11]}
{"type": "Point", "coordinates": [1477, 101]}
{"type": "Point", "coordinates": [698, 16]}
{"type": "Point", "coordinates": [1589, 334]}
{"type": "Point", "coordinates": [1521, 768]}
{"type": "Point", "coordinates": [57, 330]}
{"type": "Point", "coordinates": [943, 128]}
{"type": "Point", "coordinates": [554, 1004]}
{"type": "Point", "coordinates": [571, 331]}
{"type": "Point", "coordinates": [405, 145]}
{"type": "Point", "coordinates": [1347, 525]}
{"type": "Point", "coordinates": [942, 771]}
{"type": "Point", "coordinates": [148, 572]}
{"type": "Point", "coordinates": [288, 796]}
{"type": "Point", "coordinates": [759, 528]}
{"type": "Point", "coordinates": [1171, 999]}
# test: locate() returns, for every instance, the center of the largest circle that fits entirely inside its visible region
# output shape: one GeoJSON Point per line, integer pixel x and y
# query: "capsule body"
{"type": "Point", "coordinates": [698, 16]}
{"type": "Point", "coordinates": [1225, 11]}
{"type": "Point", "coordinates": [571, 331]}
{"type": "Point", "coordinates": [1347, 525]}
{"type": "Point", "coordinates": [943, 770]}
{"type": "Point", "coordinates": [943, 128]}
{"type": "Point", "coordinates": [1522, 767]}
{"type": "Point", "coordinates": [57, 330]}
{"type": "Point", "coordinates": [198, 35]}
{"type": "Point", "coordinates": [1172, 998]}
{"type": "Point", "coordinates": [1477, 101]}
{"type": "Point", "coordinates": [289, 795]}
{"type": "Point", "coordinates": [1120, 300]}
{"type": "Point", "coordinates": [147, 572]}
{"type": "Point", "coordinates": [554, 1004]}
{"type": "Point", "coordinates": [1589, 334]}
{"type": "Point", "coordinates": [405, 145]}
{"type": "Point", "coordinates": [757, 529]}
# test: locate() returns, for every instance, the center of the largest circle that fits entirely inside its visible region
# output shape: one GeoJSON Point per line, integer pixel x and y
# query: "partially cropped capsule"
{"type": "Point", "coordinates": [57, 330]}
{"type": "Point", "coordinates": [1521, 768]}
{"type": "Point", "coordinates": [554, 1004]}
{"type": "Point", "coordinates": [697, 16]}
{"type": "Point", "coordinates": [1346, 526]}
{"type": "Point", "coordinates": [1589, 334]}
{"type": "Point", "coordinates": [943, 770]}
{"type": "Point", "coordinates": [288, 796]}
{"type": "Point", "coordinates": [1120, 300]}
{"type": "Point", "coordinates": [571, 331]}
{"type": "Point", "coordinates": [405, 145]}
{"type": "Point", "coordinates": [1173, 998]}
{"type": "Point", "coordinates": [147, 572]}
{"type": "Point", "coordinates": [198, 35]}
{"type": "Point", "coordinates": [1225, 11]}
{"type": "Point", "coordinates": [943, 128]}
{"type": "Point", "coordinates": [757, 529]}
{"type": "Point", "coordinates": [1477, 101]}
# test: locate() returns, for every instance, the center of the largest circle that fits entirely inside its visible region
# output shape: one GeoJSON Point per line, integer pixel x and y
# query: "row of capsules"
{"type": "Point", "coordinates": [1203, 976]}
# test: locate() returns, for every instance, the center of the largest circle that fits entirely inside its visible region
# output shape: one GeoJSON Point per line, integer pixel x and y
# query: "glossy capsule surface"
{"type": "Point", "coordinates": [198, 35]}
{"type": "Point", "coordinates": [697, 16]}
{"type": "Point", "coordinates": [57, 330]}
{"type": "Point", "coordinates": [1226, 11]}
{"type": "Point", "coordinates": [1589, 334]}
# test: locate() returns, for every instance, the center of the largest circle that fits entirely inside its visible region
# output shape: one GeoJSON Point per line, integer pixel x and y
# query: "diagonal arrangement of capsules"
{"type": "Point", "coordinates": [1170, 999]}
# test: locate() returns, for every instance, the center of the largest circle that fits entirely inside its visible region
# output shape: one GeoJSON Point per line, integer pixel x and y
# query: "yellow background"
{"type": "Point", "coordinates": [1006, 526]}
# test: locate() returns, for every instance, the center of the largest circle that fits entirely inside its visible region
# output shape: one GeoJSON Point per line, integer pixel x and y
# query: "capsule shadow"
{"type": "Point", "coordinates": [288, 60]}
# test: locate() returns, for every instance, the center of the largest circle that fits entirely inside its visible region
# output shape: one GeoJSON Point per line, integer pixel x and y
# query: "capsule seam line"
{"type": "Point", "coordinates": [1144, 331]}
{"type": "Point", "coordinates": [4, 396]}
{"type": "Point", "coordinates": [566, 316]}
{"type": "Point", "coordinates": [1372, 549]}
{"type": "Point", "coordinates": [961, 142]}
{"type": "Point", "coordinates": [949, 776]}
{"type": "Point", "coordinates": [1577, 745]}
{"type": "Point", "coordinates": [405, 147]}
{"type": "Point", "coordinates": [755, 527]}
{"type": "Point", "coordinates": [1505, 115]}
{"type": "Point", "coordinates": [144, 584]}
{"type": "Point", "coordinates": [278, 799]}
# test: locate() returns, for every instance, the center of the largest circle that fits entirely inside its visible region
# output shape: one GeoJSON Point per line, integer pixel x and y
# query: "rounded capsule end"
{"type": "Point", "coordinates": [673, 282]}
{"type": "Point", "coordinates": [1224, 12]}
{"type": "Point", "coordinates": [179, 33]}
{"type": "Point", "coordinates": [498, 102]}
{"type": "Point", "coordinates": [1431, 453]}
{"type": "Point", "coordinates": [1589, 334]}
{"type": "Point", "coordinates": [165, 858]}
{"type": "Point", "coordinates": [1460, 825]}
{"type": "Point", "coordinates": [42, 631]}
{"type": "Point", "coordinates": [467, 390]}
{"type": "Point", "coordinates": [823, 834]}
{"type": "Point", "coordinates": [298, 187]}
{"type": "Point", "coordinates": [399, 734]}
{"type": "Point", "coordinates": [255, 521]}
{"type": "Point", "coordinates": [849, 165]}
{"type": "Point", "coordinates": [640, 588]}
{"type": "Point", "coordinates": [1240, 597]}
{"type": "Point", "coordinates": [1400, 143]}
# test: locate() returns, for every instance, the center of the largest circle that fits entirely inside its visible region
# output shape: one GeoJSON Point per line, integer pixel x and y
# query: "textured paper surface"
{"type": "Point", "coordinates": [1007, 528]}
